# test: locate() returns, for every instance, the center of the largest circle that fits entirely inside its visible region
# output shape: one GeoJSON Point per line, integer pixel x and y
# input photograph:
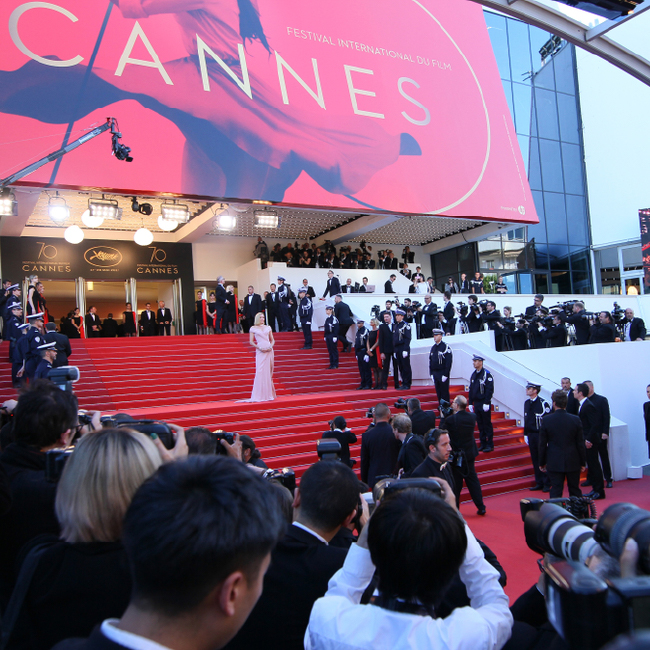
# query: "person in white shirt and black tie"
{"type": "Point", "coordinates": [333, 285]}
{"type": "Point", "coordinates": [252, 307]}
{"type": "Point", "coordinates": [164, 317]}
{"type": "Point", "coordinates": [633, 328]}
{"type": "Point", "coordinates": [148, 322]}
{"type": "Point", "coordinates": [348, 287]}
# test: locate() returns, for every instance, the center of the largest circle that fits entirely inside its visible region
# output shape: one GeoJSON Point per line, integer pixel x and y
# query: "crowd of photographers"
{"type": "Point", "coordinates": [143, 535]}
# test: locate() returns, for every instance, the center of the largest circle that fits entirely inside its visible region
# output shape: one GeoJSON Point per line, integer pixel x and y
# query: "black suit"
{"type": "Point", "coordinates": [333, 287]}
{"type": "Point", "coordinates": [96, 641]}
{"type": "Point", "coordinates": [461, 427]}
{"type": "Point", "coordinates": [388, 287]}
{"type": "Point", "coordinates": [90, 321]}
{"type": "Point", "coordinates": [573, 404]}
{"type": "Point", "coordinates": [411, 454]}
{"type": "Point", "coordinates": [602, 404]}
{"type": "Point", "coordinates": [562, 451]}
{"type": "Point", "coordinates": [164, 318]}
{"type": "Point", "coordinates": [345, 438]}
{"type": "Point", "coordinates": [301, 566]}
{"type": "Point", "coordinates": [252, 307]}
{"type": "Point", "coordinates": [220, 324]}
{"type": "Point", "coordinates": [646, 419]}
{"type": "Point", "coordinates": [348, 288]}
{"type": "Point", "coordinates": [343, 314]}
{"type": "Point", "coordinates": [592, 429]}
{"type": "Point", "coordinates": [272, 310]}
{"type": "Point", "coordinates": [379, 452]}
{"type": "Point", "coordinates": [636, 328]}
{"type": "Point", "coordinates": [63, 349]}
{"type": "Point", "coordinates": [430, 468]}
{"type": "Point", "coordinates": [148, 323]}
{"type": "Point", "coordinates": [422, 421]}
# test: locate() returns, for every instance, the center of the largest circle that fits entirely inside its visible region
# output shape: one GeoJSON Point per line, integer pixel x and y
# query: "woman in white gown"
{"type": "Point", "coordinates": [261, 338]}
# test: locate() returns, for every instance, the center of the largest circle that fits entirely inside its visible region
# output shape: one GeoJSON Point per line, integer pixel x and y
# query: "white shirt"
{"type": "Point", "coordinates": [128, 639]}
{"type": "Point", "coordinates": [422, 288]}
{"type": "Point", "coordinates": [297, 524]}
{"type": "Point", "coordinates": [339, 621]}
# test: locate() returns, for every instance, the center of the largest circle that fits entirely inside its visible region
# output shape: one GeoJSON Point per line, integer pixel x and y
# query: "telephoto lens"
{"type": "Point", "coordinates": [551, 529]}
{"type": "Point", "coordinates": [620, 522]}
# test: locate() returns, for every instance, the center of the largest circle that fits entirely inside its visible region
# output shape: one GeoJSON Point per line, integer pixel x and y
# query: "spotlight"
{"type": "Point", "coordinates": [143, 208]}
{"type": "Point", "coordinates": [73, 235]}
{"type": "Point", "coordinates": [91, 221]}
{"type": "Point", "coordinates": [8, 204]}
{"type": "Point", "coordinates": [225, 222]}
{"type": "Point", "coordinates": [266, 219]}
{"type": "Point", "coordinates": [108, 209]}
{"type": "Point", "coordinates": [166, 224]}
{"type": "Point", "coordinates": [143, 237]}
{"type": "Point", "coordinates": [175, 212]}
{"type": "Point", "coordinates": [58, 209]}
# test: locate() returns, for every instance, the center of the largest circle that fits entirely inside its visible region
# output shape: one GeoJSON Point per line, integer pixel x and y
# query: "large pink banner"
{"type": "Point", "coordinates": [389, 105]}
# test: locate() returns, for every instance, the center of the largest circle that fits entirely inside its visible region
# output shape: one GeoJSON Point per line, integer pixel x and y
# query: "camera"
{"type": "Point", "coordinates": [64, 377]}
{"type": "Point", "coordinates": [285, 477]}
{"type": "Point", "coordinates": [370, 413]}
{"type": "Point", "coordinates": [84, 418]}
{"type": "Point", "coordinates": [387, 486]}
{"type": "Point", "coordinates": [375, 312]}
{"type": "Point", "coordinates": [55, 461]}
{"type": "Point", "coordinates": [401, 404]}
{"type": "Point", "coordinates": [148, 427]}
{"type": "Point", "coordinates": [445, 408]}
{"type": "Point", "coordinates": [220, 435]}
{"type": "Point", "coordinates": [328, 449]}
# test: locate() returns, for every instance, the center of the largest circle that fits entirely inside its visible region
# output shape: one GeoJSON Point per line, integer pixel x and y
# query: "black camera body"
{"type": "Point", "coordinates": [401, 403]}
{"type": "Point", "coordinates": [285, 477]}
{"type": "Point", "coordinates": [55, 461]}
{"type": "Point", "coordinates": [223, 435]}
{"type": "Point", "coordinates": [387, 486]}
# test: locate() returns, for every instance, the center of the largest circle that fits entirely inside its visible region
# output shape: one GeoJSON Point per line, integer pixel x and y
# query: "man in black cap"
{"type": "Point", "coordinates": [10, 325]}
{"type": "Point", "coordinates": [361, 352]}
{"type": "Point", "coordinates": [331, 332]}
{"type": "Point", "coordinates": [402, 350]}
{"type": "Point", "coordinates": [305, 312]}
{"type": "Point", "coordinates": [283, 301]}
{"type": "Point", "coordinates": [481, 390]}
{"type": "Point", "coordinates": [535, 408]}
{"type": "Point", "coordinates": [35, 338]}
{"type": "Point", "coordinates": [13, 297]}
{"type": "Point", "coordinates": [48, 355]}
{"type": "Point", "coordinates": [440, 360]}
{"type": "Point", "coordinates": [343, 314]}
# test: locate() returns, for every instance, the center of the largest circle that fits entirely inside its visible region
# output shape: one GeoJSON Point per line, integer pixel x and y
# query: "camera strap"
{"type": "Point", "coordinates": [397, 605]}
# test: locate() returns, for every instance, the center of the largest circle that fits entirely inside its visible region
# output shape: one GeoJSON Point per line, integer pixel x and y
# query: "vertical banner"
{"type": "Point", "coordinates": [644, 224]}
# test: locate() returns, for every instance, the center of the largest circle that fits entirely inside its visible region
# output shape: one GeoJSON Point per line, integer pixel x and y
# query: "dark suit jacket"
{"type": "Point", "coordinates": [430, 468]}
{"type": "Point", "coordinates": [581, 325]}
{"type": "Point", "coordinates": [637, 329]}
{"type": "Point", "coordinates": [561, 443]}
{"type": "Point", "coordinates": [109, 329]}
{"type": "Point", "coordinates": [301, 567]}
{"type": "Point", "coordinates": [310, 290]}
{"type": "Point", "coordinates": [461, 432]}
{"type": "Point", "coordinates": [89, 321]}
{"type": "Point", "coordinates": [343, 313]}
{"type": "Point", "coordinates": [148, 323]}
{"type": "Point", "coordinates": [602, 406]}
{"type": "Point", "coordinates": [591, 422]}
{"type": "Point", "coordinates": [379, 451]}
{"type": "Point", "coordinates": [96, 641]}
{"type": "Point", "coordinates": [573, 404]}
{"type": "Point", "coordinates": [345, 438]}
{"type": "Point", "coordinates": [63, 349]}
{"type": "Point", "coordinates": [422, 421]}
{"type": "Point", "coordinates": [221, 295]}
{"type": "Point", "coordinates": [252, 306]}
{"type": "Point", "coordinates": [348, 288]}
{"type": "Point", "coordinates": [333, 287]}
{"type": "Point", "coordinates": [646, 419]}
{"type": "Point", "coordinates": [411, 454]}
{"type": "Point", "coordinates": [164, 316]}
{"type": "Point", "coordinates": [388, 287]}
{"type": "Point", "coordinates": [390, 263]}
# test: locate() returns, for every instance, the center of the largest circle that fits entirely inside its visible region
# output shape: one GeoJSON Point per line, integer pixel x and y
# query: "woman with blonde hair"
{"type": "Point", "coordinates": [83, 578]}
{"type": "Point", "coordinates": [261, 338]}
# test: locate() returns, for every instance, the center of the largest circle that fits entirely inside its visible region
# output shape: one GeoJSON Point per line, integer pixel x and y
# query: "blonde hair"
{"type": "Point", "coordinates": [99, 481]}
{"type": "Point", "coordinates": [374, 321]}
{"type": "Point", "coordinates": [230, 288]}
{"type": "Point", "coordinates": [259, 316]}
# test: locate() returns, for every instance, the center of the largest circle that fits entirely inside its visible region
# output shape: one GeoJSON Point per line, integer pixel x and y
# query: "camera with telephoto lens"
{"type": "Point", "coordinates": [64, 377]}
{"type": "Point", "coordinates": [445, 408]}
{"type": "Point", "coordinates": [586, 610]}
{"type": "Point", "coordinates": [328, 449]}
{"type": "Point", "coordinates": [84, 418]}
{"type": "Point", "coordinates": [148, 427]}
{"type": "Point", "coordinates": [375, 312]}
{"type": "Point", "coordinates": [401, 404]}
{"type": "Point", "coordinates": [463, 309]}
{"type": "Point", "coordinates": [618, 313]}
{"type": "Point", "coordinates": [285, 477]}
{"type": "Point", "coordinates": [416, 304]}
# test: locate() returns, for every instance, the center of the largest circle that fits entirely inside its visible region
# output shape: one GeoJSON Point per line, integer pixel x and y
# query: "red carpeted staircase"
{"type": "Point", "coordinates": [198, 380]}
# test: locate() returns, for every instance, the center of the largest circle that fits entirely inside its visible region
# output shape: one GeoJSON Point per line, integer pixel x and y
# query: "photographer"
{"type": "Point", "coordinates": [411, 587]}
{"type": "Point", "coordinates": [429, 313]}
{"type": "Point", "coordinates": [339, 431]}
{"type": "Point", "coordinates": [460, 426]}
{"type": "Point", "coordinates": [580, 320]}
{"type": "Point", "coordinates": [556, 335]}
{"type": "Point", "coordinates": [534, 314]}
{"type": "Point", "coordinates": [604, 331]}
{"type": "Point", "coordinates": [474, 322]}
{"type": "Point", "coordinates": [436, 464]}
{"type": "Point", "coordinates": [492, 318]}
{"type": "Point", "coordinates": [379, 448]}
{"type": "Point", "coordinates": [250, 453]}
{"type": "Point", "coordinates": [421, 421]}
{"type": "Point", "coordinates": [520, 336]}
{"type": "Point", "coordinates": [412, 452]}
{"type": "Point", "coordinates": [633, 328]}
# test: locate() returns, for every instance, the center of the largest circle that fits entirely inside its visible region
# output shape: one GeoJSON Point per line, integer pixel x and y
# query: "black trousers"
{"type": "Point", "coordinates": [557, 483]}
{"type": "Point", "coordinates": [484, 423]}
{"type": "Point", "coordinates": [426, 331]}
{"type": "Point", "coordinates": [306, 332]}
{"type": "Point", "coordinates": [442, 387]}
{"type": "Point", "coordinates": [343, 330]}
{"type": "Point", "coordinates": [603, 452]}
{"type": "Point", "coordinates": [164, 329]}
{"type": "Point", "coordinates": [468, 474]}
{"type": "Point", "coordinates": [403, 366]}
{"type": "Point", "coordinates": [333, 351]}
{"type": "Point", "coordinates": [541, 478]}
{"type": "Point", "coordinates": [364, 369]}
{"type": "Point", "coordinates": [272, 319]}
{"type": "Point", "coordinates": [285, 317]}
{"type": "Point", "coordinates": [220, 324]}
{"type": "Point", "coordinates": [594, 471]}
{"type": "Point", "coordinates": [386, 369]}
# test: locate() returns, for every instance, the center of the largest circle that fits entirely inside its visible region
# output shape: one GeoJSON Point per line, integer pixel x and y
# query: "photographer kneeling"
{"type": "Point", "coordinates": [339, 431]}
{"type": "Point", "coordinates": [417, 542]}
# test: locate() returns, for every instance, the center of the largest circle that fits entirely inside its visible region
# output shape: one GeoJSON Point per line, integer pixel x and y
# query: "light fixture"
{"type": "Point", "coordinates": [73, 235]}
{"type": "Point", "coordinates": [8, 204]}
{"type": "Point", "coordinates": [166, 224]}
{"type": "Point", "coordinates": [58, 209]}
{"type": "Point", "coordinates": [105, 208]}
{"type": "Point", "coordinates": [225, 222]}
{"type": "Point", "coordinates": [143, 208]}
{"type": "Point", "coordinates": [266, 219]}
{"type": "Point", "coordinates": [91, 221]}
{"type": "Point", "coordinates": [175, 212]}
{"type": "Point", "coordinates": [90, 285]}
{"type": "Point", "coordinates": [143, 236]}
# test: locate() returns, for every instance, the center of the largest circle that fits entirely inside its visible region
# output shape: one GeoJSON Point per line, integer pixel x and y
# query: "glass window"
{"type": "Point", "coordinates": [525, 283]}
{"type": "Point", "coordinates": [489, 254]}
{"type": "Point", "coordinates": [507, 89]}
{"type": "Point", "coordinates": [541, 283]}
{"type": "Point", "coordinates": [524, 146]}
{"type": "Point", "coordinates": [568, 110]}
{"type": "Point", "coordinates": [561, 282]}
{"type": "Point", "coordinates": [556, 225]}
{"type": "Point", "coordinates": [534, 168]}
{"type": "Point", "coordinates": [549, 154]}
{"type": "Point", "coordinates": [540, 260]}
{"type": "Point", "coordinates": [523, 102]}
{"type": "Point", "coordinates": [538, 231]}
{"type": "Point", "coordinates": [546, 111]}
{"type": "Point", "coordinates": [579, 261]}
{"type": "Point", "coordinates": [538, 38]}
{"type": "Point", "coordinates": [520, 63]}
{"type": "Point", "coordinates": [511, 282]}
{"type": "Point", "coordinates": [572, 163]}
{"type": "Point", "coordinates": [544, 77]}
{"type": "Point", "coordinates": [581, 282]}
{"type": "Point", "coordinates": [577, 220]}
{"type": "Point", "coordinates": [497, 30]}
{"type": "Point", "coordinates": [564, 71]}
{"type": "Point", "coordinates": [558, 257]}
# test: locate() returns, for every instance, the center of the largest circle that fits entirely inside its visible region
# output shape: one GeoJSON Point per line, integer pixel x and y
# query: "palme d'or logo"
{"type": "Point", "coordinates": [103, 256]}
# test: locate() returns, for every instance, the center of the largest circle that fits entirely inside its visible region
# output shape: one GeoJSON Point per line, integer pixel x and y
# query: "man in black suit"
{"type": "Point", "coordinates": [343, 314]}
{"type": "Point", "coordinates": [422, 421]}
{"type": "Point", "coordinates": [436, 464]}
{"type": "Point", "coordinates": [333, 285]}
{"type": "Point", "coordinates": [211, 581]}
{"type": "Point", "coordinates": [592, 431]}
{"type": "Point", "coordinates": [581, 323]}
{"type": "Point", "coordinates": [303, 561]}
{"type": "Point", "coordinates": [562, 452]}
{"type": "Point", "coordinates": [388, 285]}
{"type": "Point", "coordinates": [379, 448]}
{"type": "Point", "coordinates": [535, 409]}
{"type": "Point", "coordinates": [646, 417]}
{"type": "Point", "coordinates": [633, 328]}
{"type": "Point", "coordinates": [390, 262]}
{"type": "Point", "coordinates": [429, 313]}
{"type": "Point", "coordinates": [309, 290]}
{"type": "Point", "coordinates": [110, 328]}
{"type": "Point", "coordinates": [62, 344]}
{"type": "Point", "coordinates": [148, 322]}
{"type": "Point", "coordinates": [222, 306]}
{"type": "Point", "coordinates": [536, 309]}
{"type": "Point", "coordinates": [339, 431]}
{"type": "Point", "coordinates": [252, 307]}
{"type": "Point", "coordinates": [92, 324]}
{"type": "Point", "coordinates": [572, 403]}
{"type": "Point", "coordinates": [272, 308]}
{"type": "Point", "coordinates": [602, 404]}
{"type": "Point", "coordinates": [412, 451]}
{"type": "Point", "coordinates": [348, 287]}
{"type": "Point", "coordinates": [386, 351]}
{"type": "Point", "coordinates": [460, 426]}
{"type": "Point", "coordinates": [164, 318]}
{"type": "Point", "coordinates": [364, 287]}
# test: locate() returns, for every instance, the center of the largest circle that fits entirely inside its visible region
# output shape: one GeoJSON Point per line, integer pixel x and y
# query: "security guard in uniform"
{"type": "Point", "coordinates": [535, 408]}
{"type": "Point", "coordinates": [481, 390]}
{"type": "Point", "coordinates": [402, 350]}
{"type": "Point", "coordinates": [11, 332]}
{"type": "Point", "coordinates": [34, 338]}
{"type": "Point", "coordinates": [18, 355]}
{"type": "Point", "coordinates": [361, 352]}
{"type": "Point", "coordinates": [48, 355]}
{"type": "Point", "coordinates": [331, 331]}
{"type": "Point", "coordinates": [440, 360]}
{"type": "Point", "coordinates": [305, 312]}
{"type": "Point", "coordinates": [283, 300]}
